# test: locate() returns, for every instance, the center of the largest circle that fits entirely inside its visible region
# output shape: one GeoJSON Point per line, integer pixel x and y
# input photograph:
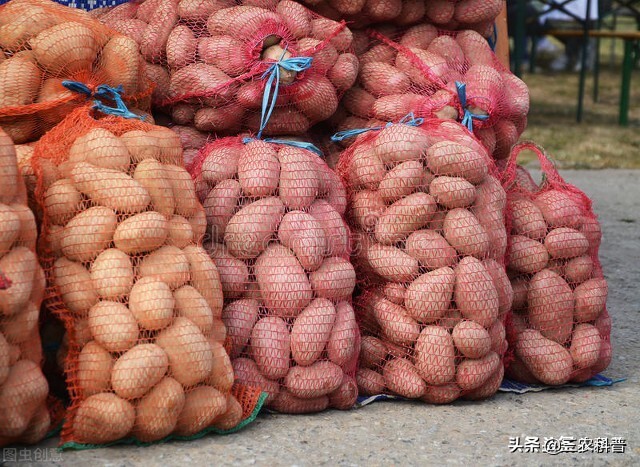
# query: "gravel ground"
{"type": "Point", "coordinates": [396, 433]}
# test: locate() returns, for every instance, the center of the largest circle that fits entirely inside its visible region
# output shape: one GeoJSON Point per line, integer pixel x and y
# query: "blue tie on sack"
{"type": "Point", "coordinates": [408, 119]}
{"type": "Point", "coordinates": [105, 92]}
{"type": "Point", "coordinates": [467, 119]}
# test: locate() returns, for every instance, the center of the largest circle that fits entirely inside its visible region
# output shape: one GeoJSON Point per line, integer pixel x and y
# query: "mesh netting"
{"type": "Point", "coordinates": [140, 298]}
{"type": "Point", "coordinates": [437, 74]}
{"type": "Point", "coordinates": [276, 233]}
{"type": "Point", "coordinates": [212, 61]}
{"type": "Point", "coordinates": [42, 44]}
{"type": "Point", "coordinates": [478, 15]}
{"type": "Point", "coordinates": [23, 388]}
{"type": "Point", "coordinates": [560, 328]}
{"type": "Point", "coordinates": [426, 211]}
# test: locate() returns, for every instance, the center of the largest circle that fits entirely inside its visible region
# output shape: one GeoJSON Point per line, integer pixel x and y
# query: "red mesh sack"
{"type": "Point", "coordinates": [478, 15]}
{"type": "Point", "coordinates": [24, 414]}
{"type": "Point", "coordinates": [442, 75]}
{"type": "Point", "coordinates": [426, 212]}
{"type": "Point", "coordinates": [140, 298]}
{"type": "Point", "coordinates": [43, 43]}
{"type": "Point", "coordinates": [212, 62]}
{"type": "Point", "coordinates": [276, 233]}
{"type": "Point", "coordinates": [560, 328]}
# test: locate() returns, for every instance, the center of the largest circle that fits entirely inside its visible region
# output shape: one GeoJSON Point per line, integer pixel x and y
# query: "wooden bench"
{"type": "Point", "coordinates": [629, 38]}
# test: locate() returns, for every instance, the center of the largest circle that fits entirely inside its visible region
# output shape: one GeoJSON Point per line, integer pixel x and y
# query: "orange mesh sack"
{"type": "Point", "coordinates": [24, 416]}
{"type": "Point", "coordinates": [43, 43]}
{"type": "Point", "coordinates": [276, 233]}
{"type": "Point", "coordinates": [438, 75]}
{"type": "Point", "coordinates": [478, 15]}
{"type": "Point", "coordinates": [427, 215]}
{"type": "Point", "coordinates": [560, 328]}
{"type": "Point", "coordinates": [140, 298]}
{"type": "Point", "coordinates": [211, 62]}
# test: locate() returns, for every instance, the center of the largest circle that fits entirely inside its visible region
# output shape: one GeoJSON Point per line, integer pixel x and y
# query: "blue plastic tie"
{"type": "Point", "coordinates": [105, 92]}
{"type": "Point", "coordinates": [467, 119]}
{"type": "Point", "coordinates": [269, 99]}
{"type": "Point", "coordinates": [295, 144]}
{"type": "Point", "coordinates": [408, 119]}
{"type": "Point", "coordinates": [493, 40]}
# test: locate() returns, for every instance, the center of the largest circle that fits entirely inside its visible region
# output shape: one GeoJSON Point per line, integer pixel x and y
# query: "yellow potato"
{"type": "Point", "coordinates": [101, 148]}
{"type": "Point", "coordinates": [152, 175]}
{"type": "Point", "coordinates": [202, 406]}
{"type": "Point", "coordinates": [180, 233]}
{"type": "Point", "coordinates": [184, 189]}
{"type": "Point", "coordinates": [75, 286]}
{"type": "Point", "coordinates": [221, 376]}
{"type": "Point", "coordinates": [113, 326]}
{"type": "Point", "coordinates": [102, 418]}
{"type": "Point", "coordinates": [22, 326]}
{"type": "Point", "coordinates": [88, 234]}
{"type": "Point", "coordinates": [94, 370]}
{"type": "Point", "coordinates": [232, 417]}
{"type": "Point", "coordinates": [137, 370]}
{"type": "Point", "coordinates": [141, 232]}
{"type": "Point", "coordinates": [112, 274]}
{"type": "Point", "coordinates": [205, 278]}
{"type": "Point", "coordinates": [190, 304]}
{"type": "Point", "coordinates": [19, 266]}
{"type": "Point", "coordinates": [61, 201]}
{"type": "Point", "coordinates": [168, 264]}
{"type": "Point", "coordinates": [151, 303]}
{"type": "Point", "coordinates": [158, 411]}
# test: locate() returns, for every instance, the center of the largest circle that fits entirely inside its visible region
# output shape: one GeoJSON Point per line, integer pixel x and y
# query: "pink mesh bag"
{"type": "Point", "coordinates": [427, 216]}
{"type": "Point", "coordinates": [560, 328]}
{"type": "Point", "coordinates": [438, 75]}
{"type": "Point", "coordinates": [212, 62]}
{"type": "Point", "coordinates": [276, 233]}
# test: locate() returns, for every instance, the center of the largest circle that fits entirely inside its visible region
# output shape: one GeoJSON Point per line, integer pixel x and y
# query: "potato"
{"type": "Point", "coordinates": [435, 355]}
{"type": "Point", "coordinates": [303, 234]}
{"type": "Point", "coordinates": [198, 225]}
{"type": "Point", "coordinates": [452, 192]}
{"type": "Point", "coordinates": [221, 376]}
{"type": "Point", "coordinates": [88, 233]}
{"type": "Point", "coordinates": [168, 264]}
{"type": "Point", "coordinates": [526, 255]}
{"type": "Point", "coordinates": [299, 182]}
{"type": "Point", "coordinates": [258, 169]}
{"type": "Point", "coordinates": [457, 160]}
{"type": "Point", "coordinates": [397, 325]}
{"type": "Point", "coordinates": [288, 403]}
{"type": "Point", "coordinates": [113, 326]}
{"type": "Point", "coordinates": [202, 406]}
{"type": "Point", "coordinates": [604, 359]}
{"type": "Point", "coordinates": [184, 190]}
{"type": "Point", "coordinates": [430, 249]}
{"type": "Point", "coordinates": [547, 360]}
{"type": "Point", "coordinates": [370, 383]}
{"type": "Point", "coordinates": [284, 286]}
{"type": "Point", "coordinates": [464, 232]}
{"type": "Point", "coordinates": [473, 373]}
{"type": "Point", "coordinates": [5, 359]}
{"type": "Point", "coordinates": [527, 219]}
{"type": "Point", "coordinates": [346, 395]}
{"type": "Point", "coordinates": [311, 330]}
{"type": "Point", "coordinates": [401, 377]}
{"type": "Point", "coordinates": [342, 347]}
{"type": "Point", "coordinates": [100, 148]}
{"type": "Point", "coordinates": [94, 370]}
{"type": "Point", "coordinates": [429, 296]}
{"type": "Point", "coordinates": [189, 351]}
{"type": "Point", "coordinates": [489, 387]}
{"type": "Point", "coordinates": [578, 269]}
{"type": "Point", "coordinates": [392, 263]}
{"type": "Point", "coordinates": [559, 209]}
{"type": "Point", "coordinates": [443, 394]}
{"type": "Point", "coordinates": [471, 339]}
{"type": "Point", "coordinates": [110, 188]}
{"type": "Point", "coordinates": [335, 279]}
{"type": "Point", "coordinates": [394, 292]}
{"type": "Point", "coordinates": [590, 299]}
{"type": "Point", "coordinates": [234, 274]}
{"type": "Point", "coordinates": [366, 208]}
{"type": "Point", "coordinates": [401, 181]}
{"type": "Point", "coordinates": [366, 170]}
{"type": "Point", "coordinates": [403, 217]}
{"type": "Point", "coordinates": [501, 283]}
{"type": "Point", "coordinates": [475, 293]}
{"type": "Point", "coordinates": [22, 326]}
{"type": "Point", "coordinates": [335, 229]}
{"type": "Point", "coordinates": [205, 278]}
{"type": "Point", "coordinates": [246, 372]}
{"type": "Point", "coordinates": [316, 380]}
{"type": "Point", "coordinates": [112, 274]}
{"type": "Point", "coordinates": [249, 230]}
{"type": "Point", "coordinates": [373, 351]}
{"type": "Point", "coordinates": [151, 303]}
{"type": "Point", "coordinates": [381, 79]}
{"type": "Point", "coordinates": [61, 201]}
{"type": "Point", "coordinates": [551, 306]}
{"type": "Point", "coordinates": [564, 243]}
{"type": "Point", "coordinates": [180, 232]}
{"type": "Point", "coordinates": [585, 345]}
{"type": "Point", "coordinates": [158, 411]}
{"type": "Point", "coordinates": [220, 205]}
{"type": "Point", "coordinates": [138, 370]}
{"type": "Point", "coordinates": [155, 179]}
{"type": "Point", "coordinates": [20, 267]}
{"type": "Point", "coordinates": [190, 304]}
{"type": "Point", "coordinates": [270, 345]}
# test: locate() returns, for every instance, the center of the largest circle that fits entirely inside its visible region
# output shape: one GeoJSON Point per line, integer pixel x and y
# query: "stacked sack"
{"type": "Point", "coordinates": [140, 298]}
{"type": "Point", "coordinates": [560, 328]}
{"type": "Point", "coordinates": [452, 75]}
{"type": "Point", "coordinates": [277, 235]}
{"type": "Point", "coordinates": [212, 63]}
{"type": "Point", "coordinates": [23, 388]}
{"type": "Point", "coordinates": [478, 15]}
{"type": "Point", "coordinates": [42, 44]}
{"type": "Point", "coordinates": [427, 214]}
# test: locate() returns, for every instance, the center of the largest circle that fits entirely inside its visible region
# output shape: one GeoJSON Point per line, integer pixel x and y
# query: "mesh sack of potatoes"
{"type": "Point", "coordinates": [140, 298]}
{"type": "Point", "coordinates": [43, 43]}
{"type": "Point", "coordinates": [278, 238]}
{"type": "Point", "coordinates": [437, 74]}
{"type": "Point", "coordinates": [213, 61]}
{"type": "Point", "coordinates": [427, 218]}
{"type": "Point", "coordinates": [478, 15]}
{"type": "Point", "coordinates": [24, 413]}
{"type": "Point", "coordinates": [560, 328]}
